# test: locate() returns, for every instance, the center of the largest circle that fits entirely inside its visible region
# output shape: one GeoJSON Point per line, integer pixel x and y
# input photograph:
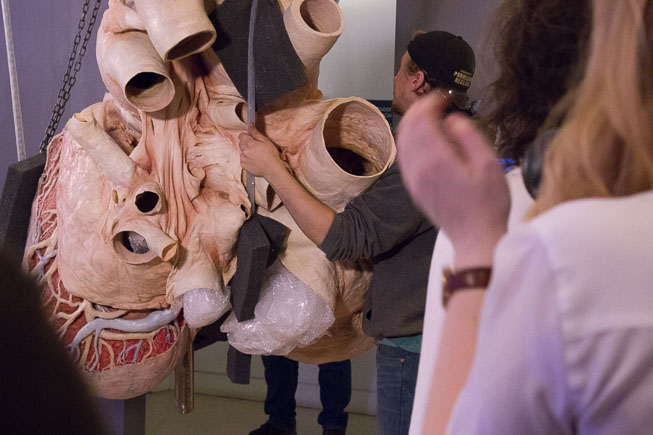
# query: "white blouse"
{"type": "Point", "coordinates": [565, 342]}
{"type": "Point", "coordinates": [434, 312]}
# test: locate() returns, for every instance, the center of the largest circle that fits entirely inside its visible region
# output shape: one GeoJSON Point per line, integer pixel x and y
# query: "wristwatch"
{"type": "Point", "coordinates": [476, 277]}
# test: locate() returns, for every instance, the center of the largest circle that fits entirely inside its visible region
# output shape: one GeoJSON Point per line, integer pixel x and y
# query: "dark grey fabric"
{"type": "Point", "coordinates": [278, 68]}
{"type": "Point", "coordinates": [16, 205]}
{"type": "Point", "coordinates": [383, 225]}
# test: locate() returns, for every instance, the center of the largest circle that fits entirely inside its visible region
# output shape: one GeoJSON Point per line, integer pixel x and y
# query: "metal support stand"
{"type": "Point", "coordinates": [185, 384]}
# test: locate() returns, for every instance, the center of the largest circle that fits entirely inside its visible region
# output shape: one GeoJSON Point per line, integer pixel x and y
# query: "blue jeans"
{"type": "Point", "coordinates": [396, 376]}
{"type": "Point", "coordinates": [335, 392]}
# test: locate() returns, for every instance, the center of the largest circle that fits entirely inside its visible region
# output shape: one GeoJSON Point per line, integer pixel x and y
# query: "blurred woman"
{"type": "Point", "coordinates": [539, 52]}
{"type": "Point", "coordinates": [565, 341]}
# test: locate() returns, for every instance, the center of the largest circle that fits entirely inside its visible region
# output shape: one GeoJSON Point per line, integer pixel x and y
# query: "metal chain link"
{"type": "Point", "coordinates": [74, 65]}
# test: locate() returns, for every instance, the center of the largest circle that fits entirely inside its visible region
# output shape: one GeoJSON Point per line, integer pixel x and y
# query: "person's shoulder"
{"type": "Point", "coordinates": [581, 233]}
{"type": "Point", "coordinates": [600, 253]}
{"type": "Point", "coordinates": [590, 217]}
{"type": "Point", "coordinates": [597, 245]}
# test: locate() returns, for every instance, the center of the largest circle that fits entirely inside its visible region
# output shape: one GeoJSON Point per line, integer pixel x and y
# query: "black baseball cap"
{"type": "Point", "coordinates": [446, 60]}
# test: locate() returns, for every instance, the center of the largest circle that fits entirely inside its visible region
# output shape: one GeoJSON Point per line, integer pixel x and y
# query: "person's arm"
{"type": "Point", "coordinates": [457, 345]}
{"type": "Point", "coordinates": [517, 380]}
{"type": "Point", "coordinates": [454, 357]}
{"type": "Point", "coordinates": [455, 178]}
{"type": "Point", "coordinates": [375, 222]}
{"type": "Point", "coordinates": [371, 224]}
{"type": "Point", "coordinates": [260, 157]}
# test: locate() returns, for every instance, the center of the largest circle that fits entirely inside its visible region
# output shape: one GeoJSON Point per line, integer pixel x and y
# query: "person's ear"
{"type": "Point", "coordinates": [418, 81]}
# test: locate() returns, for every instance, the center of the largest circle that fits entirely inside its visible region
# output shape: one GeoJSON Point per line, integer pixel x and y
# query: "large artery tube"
{"type": "Point", "coordinates": [133, 71]}
{"type": "Point", "coordinates": [177, 28]}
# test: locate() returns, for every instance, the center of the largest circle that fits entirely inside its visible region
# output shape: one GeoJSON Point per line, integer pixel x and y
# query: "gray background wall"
{"type": "Point", "coordinates": [43, 33]}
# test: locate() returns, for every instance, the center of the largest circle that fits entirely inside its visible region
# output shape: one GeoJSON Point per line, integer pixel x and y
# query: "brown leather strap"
{"type": "Point", "coordinates": [477, 277]}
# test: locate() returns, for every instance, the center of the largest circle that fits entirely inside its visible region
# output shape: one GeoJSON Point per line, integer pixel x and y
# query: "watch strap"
{"type": "Point", "coordinates": [475, 277]}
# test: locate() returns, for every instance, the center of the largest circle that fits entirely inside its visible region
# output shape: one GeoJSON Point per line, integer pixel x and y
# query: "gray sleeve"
{"type": "Point", "coordinates": [374, 222]}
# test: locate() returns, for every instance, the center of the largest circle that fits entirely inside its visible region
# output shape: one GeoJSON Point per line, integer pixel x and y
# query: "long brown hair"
{"type": "Point", "coordinates": [605, 146]}
{"type": "Point", "coordinates": [538, 51]}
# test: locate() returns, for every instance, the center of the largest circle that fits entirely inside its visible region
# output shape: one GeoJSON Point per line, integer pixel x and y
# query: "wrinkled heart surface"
{"type": "Point", "coordinates": [137, 214]}
{"type": "Point", "coordinates": [118, 365]}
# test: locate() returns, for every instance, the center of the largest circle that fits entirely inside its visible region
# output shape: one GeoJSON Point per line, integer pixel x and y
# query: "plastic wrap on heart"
{"type": "Point", "coordinates": [137, 214]}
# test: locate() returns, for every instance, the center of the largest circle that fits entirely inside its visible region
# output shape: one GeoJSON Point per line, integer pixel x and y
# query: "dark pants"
{"type": "Point", "coordinates": [396, 377]}
{"type": "Point", "coordinates": [281, 378]}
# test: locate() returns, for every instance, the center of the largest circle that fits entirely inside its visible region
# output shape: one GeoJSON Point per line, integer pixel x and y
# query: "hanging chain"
{"type": "Point", "coordinates": [74, 65]}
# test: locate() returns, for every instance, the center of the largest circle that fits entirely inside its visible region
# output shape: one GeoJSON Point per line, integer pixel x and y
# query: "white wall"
{"type": "Point", "coordinates": [362, 61]}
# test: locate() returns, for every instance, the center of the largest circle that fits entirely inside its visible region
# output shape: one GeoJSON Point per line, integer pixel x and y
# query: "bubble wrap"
{"type": "Point", "coordinates": [203, 306]}
{"type": "Point", "coordinates": [288, 314]}
{"type": "Point", "coordinates": [137, 242]}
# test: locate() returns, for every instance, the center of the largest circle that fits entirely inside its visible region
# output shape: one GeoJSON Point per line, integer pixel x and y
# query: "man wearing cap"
{"type": "Point", "coordinates": [382, 224]}
{"type": "Point", "coordinates": [435, 60]}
